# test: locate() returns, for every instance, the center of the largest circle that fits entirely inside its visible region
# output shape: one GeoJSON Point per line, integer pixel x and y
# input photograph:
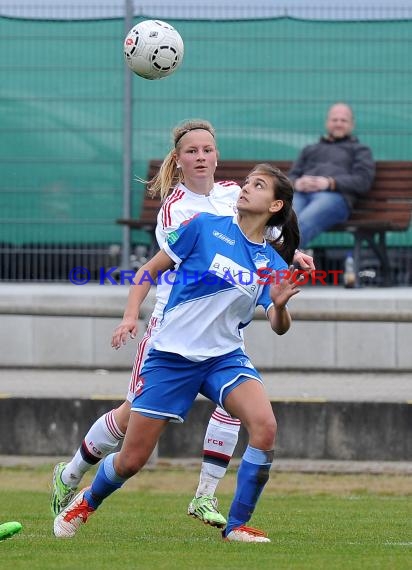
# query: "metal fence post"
{"type": "Point", "coordinates": [127, 142]}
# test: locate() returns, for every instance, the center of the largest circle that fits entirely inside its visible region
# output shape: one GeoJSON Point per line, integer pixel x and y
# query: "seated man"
{"type": "Point", "coordinates": [329, 175]}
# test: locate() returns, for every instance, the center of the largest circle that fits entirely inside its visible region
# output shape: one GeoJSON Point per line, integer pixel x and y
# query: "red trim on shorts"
{"type": "Point", "coordinates": [140, 354]}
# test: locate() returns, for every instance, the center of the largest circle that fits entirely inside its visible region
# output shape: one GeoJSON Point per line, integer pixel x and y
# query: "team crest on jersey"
{"type": "Point", "coordinates": [260, 260]}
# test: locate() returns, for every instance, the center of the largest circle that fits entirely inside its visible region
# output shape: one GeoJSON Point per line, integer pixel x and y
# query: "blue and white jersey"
{"type": "Point", "coordinates": [216, 287]}
{"type": "Point", "coordinates": [182, 204]}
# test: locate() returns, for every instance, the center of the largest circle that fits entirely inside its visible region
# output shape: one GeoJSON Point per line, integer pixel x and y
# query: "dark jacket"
{"type": "Point", "coordinates": [346, 160]}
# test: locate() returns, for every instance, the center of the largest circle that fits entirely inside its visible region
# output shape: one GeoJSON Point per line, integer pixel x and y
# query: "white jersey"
{"type": "Point", "coordinates": [183, 204]}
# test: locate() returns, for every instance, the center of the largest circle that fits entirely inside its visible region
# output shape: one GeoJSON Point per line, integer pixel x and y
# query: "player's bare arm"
{"type": "Point", "coordinates": [138, 292]}
{"type": "Point", "coordinates": [281, 290]}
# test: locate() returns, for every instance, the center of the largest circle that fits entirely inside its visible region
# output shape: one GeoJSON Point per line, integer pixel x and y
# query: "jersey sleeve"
{"type": "Point", "coordinates": [171, 215]}
{"type": "Point", "coordinates": [165, 226]}
{"type": "Point", "coordinates": [181, 242]}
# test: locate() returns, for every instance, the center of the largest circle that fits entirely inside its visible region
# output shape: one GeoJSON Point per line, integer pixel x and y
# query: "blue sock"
{"type": "Point", "coordinates": [105, 482]}
{"type": "Point", "coordinates": [252, 476]}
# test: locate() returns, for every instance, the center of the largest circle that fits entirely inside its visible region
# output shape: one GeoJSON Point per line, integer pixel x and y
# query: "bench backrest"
{"type": "Point", "coordinates": [387, 204]}
{"type": "Point", "coordinates": [389, 201]}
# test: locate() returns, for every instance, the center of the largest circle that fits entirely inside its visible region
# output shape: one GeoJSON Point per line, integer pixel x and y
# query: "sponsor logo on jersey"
{"type": "Point", "coordinates": [224, 238]}
{"type": "Point", "coordinates": [239, 276]}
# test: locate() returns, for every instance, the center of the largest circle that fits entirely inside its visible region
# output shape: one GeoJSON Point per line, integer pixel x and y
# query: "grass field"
{"type": "Point", "coordinates": [315, 522]}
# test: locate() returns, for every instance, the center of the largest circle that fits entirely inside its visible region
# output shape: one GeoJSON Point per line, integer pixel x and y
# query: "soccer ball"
{"type": "Point", "coordinates": [153, 49]}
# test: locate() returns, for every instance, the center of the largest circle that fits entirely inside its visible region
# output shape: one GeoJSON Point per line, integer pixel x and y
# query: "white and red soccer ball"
{"type": "Point", "coordinates": [153, 49]}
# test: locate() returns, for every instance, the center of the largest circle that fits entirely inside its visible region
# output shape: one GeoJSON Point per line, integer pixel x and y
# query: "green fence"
{"type": "Point", "coordinates": [264, 84]}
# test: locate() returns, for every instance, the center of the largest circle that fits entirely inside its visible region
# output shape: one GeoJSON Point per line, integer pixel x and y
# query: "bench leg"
{"type": "Point", "coordinates": [379, 249]}
{"type": "Point", "coordinates": [382, 253]}
{"type": "Point", "coordinates": [357, 256]}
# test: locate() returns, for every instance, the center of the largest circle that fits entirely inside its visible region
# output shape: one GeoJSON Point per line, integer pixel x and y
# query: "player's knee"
{"type": "Point", "coordinates": [263, 433]}
{"type": "Point", "coordinates": [270, 433]}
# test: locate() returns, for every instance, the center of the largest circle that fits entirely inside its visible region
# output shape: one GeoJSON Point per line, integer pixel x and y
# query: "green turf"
{"type": "Point", "coordinates": [150, 530]}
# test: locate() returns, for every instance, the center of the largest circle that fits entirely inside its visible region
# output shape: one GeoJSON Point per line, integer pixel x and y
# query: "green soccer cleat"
{"type": "Point", "coordinates": [205, 509]}
{"type": "Point", "coordinates": [62, 494]}
{"type": "Point", "coordinates": [8, 529]}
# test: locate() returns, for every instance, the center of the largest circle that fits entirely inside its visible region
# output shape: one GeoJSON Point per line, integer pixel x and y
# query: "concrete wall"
{"type": "Point", "coordinates": [63, 326]}
{"type": "Point", "coordinates": [333, 329]}
{"type": "Point", "coordinates": [329, 430]}
{"type": "Point", "coordinates": [44, 326]}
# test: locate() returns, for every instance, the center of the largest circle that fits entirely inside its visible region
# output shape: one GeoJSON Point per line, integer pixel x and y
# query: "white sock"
{"type": "Point", "coordinates": [101, 439]}
{"type": "Point", "coordinates": [218, 447]}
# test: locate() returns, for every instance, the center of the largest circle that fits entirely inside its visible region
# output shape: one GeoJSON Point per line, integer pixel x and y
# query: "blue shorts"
{"type": "Point", "coordinates": [169, 383]}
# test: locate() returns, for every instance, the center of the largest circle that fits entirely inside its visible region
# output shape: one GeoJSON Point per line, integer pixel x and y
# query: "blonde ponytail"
{"type": "Point", "coordinates": [167, 177]}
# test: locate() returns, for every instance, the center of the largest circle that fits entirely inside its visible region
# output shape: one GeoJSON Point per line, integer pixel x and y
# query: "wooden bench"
{"type": "Point", "coordinates": [386, 207]}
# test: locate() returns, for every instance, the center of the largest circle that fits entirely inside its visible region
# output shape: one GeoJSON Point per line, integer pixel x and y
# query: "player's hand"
{"type": "Point", "coordinates": [127, 327]}
{"type": "Point", "coordinates": [304, 260]}
{"type": "Point", "coordinates": [283, 288]}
